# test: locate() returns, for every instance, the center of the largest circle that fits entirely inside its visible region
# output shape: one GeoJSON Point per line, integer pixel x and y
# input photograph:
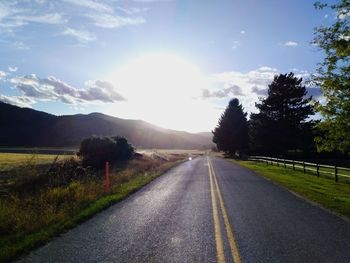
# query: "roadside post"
{"type": "Point", "coordinates": [336, 173]}
{"type": "Point", "coordinates": [107, 177]}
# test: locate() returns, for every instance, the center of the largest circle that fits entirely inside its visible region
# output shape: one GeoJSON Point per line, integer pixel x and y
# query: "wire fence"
{"type": "Point", "coordinates": [329, 171]}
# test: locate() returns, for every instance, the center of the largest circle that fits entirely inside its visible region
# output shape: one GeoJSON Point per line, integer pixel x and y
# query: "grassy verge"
{"type": "Point", "coordinates": [13, 160]}
{"type": "Point", "coordinates": [329, 194]}
{"type": "Point", "coordinates": [32, 219]}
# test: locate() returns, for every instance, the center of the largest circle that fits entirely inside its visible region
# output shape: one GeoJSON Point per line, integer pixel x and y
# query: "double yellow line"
{"type": "Point", "coordinates": [217, 227]}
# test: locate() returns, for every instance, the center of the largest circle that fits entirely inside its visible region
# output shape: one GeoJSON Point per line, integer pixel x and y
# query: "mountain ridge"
{"type": "Point", "coordinates": [25, 127]}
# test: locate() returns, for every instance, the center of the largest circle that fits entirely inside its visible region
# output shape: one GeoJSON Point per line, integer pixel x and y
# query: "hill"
{"type": "Point", "coordinates": [23, 127]}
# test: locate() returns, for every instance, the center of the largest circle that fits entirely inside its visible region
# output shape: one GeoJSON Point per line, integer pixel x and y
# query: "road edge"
{"type": "Point", "coordinates": [313, 203]}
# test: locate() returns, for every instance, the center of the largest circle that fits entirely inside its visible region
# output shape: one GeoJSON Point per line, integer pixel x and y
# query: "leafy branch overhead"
{"type": "Point", "coordinates": [334, 79]}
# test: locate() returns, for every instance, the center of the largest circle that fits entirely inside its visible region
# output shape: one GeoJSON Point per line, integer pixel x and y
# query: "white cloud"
{"type": "Point", "coordinates": [99, 88]}
{"type": "Point", "coordinates": [41, 2]}
{"type": "Point", "coordinates": [132, 10]}
{"type": "Point", "coordinates": [8, 21]}
{"type": "Point", "coordinates": [2, 74]}
{"type": "Point", "coordinates": [17, 14]}
{"type": "Point", "coordinates": [12, 69]}
{"type": "Point", "coordinates": [345, 37]}
{"type": "Point", "coordinates": [53, 18]}
{"type": "Point", "coordinates": [50, 88]}
{"type": "Point", "coordinates": [232, 91]}
{"type": "Point", "coordinates": [291, 44]}
{"type": "Point", "coordinates": [19, 45]}
{"type": "Point", "coordinates": [20, 101]}
{"type": "Point", "coordinates": [242, 32]}
{"type": "Point", "coordinates": [151, 1]}
{"type": "Point", "coordinates": [301, 73]}
{"type": "Point", "coordinates": [259, 91]}
{"type": "Point", "coordinates": [343, 14]}
{"type": "Point", "coordinates": [253, 84]}
{"type": "Point", "coordinates": [94, 5]}
{"type": "Point", "coordinates": [4, 10]}
{"type": "Point", "coordinates": [235, 44]}
{"type": "Point", "coordinates": [82, 36]}
{"type": "Point", "coordinates": [114, 21]}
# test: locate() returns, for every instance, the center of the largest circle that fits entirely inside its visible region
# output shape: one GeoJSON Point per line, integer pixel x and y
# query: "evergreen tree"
{"type": "Point", "coordinates": [281, 123]}
{"type": "Point", "coordinates": [334, 79]}
{"type": "Point", "coordinates": [231, 133]}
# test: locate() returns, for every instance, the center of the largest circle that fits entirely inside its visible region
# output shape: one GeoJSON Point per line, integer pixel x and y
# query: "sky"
{"type": "Point", "coordinates": [173, 63]}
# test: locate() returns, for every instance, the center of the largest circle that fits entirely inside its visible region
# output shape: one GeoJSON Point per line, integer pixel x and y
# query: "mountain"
{"type": "Point", "coordinates": [24, 127]}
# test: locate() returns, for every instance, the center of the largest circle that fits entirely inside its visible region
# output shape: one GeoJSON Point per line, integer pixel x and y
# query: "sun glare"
{"type": "Point", "coordinates": [163, 89]}
{"type": "Point", "coordinates": [158, 75]}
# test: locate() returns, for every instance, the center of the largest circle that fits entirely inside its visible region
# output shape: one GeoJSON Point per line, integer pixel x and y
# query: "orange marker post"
{"type": "Point", "coordinates": [107, 177]}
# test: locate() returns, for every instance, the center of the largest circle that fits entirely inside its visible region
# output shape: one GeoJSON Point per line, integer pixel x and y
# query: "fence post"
{"type": "Point", "coordinates": [318, 170]}
{"type": "Point", "coordinates": [304, 167]}
{"type": "Point", "coordinates": [336, 173]}
{"type": "Point", "coordinates": [107, 177]}
{"type": "Point", "coordinates": [293, 165]}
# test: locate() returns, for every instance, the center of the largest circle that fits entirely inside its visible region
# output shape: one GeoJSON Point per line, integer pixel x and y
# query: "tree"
{"type": "Point", "coordinates": [231, 133]}
{"type": "Point", "coordinates": [281, 124]}
{"type": "Point", "coordinates": [95, 151]}
{"type": "Point", "coordinates": [334, 79]}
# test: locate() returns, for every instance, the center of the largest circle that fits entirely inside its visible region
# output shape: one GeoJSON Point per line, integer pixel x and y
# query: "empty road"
{"type": "Point", "coordinates": [205, 210]}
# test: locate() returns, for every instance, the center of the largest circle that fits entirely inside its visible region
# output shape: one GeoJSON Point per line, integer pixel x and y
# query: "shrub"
{"type": "Point", "coordinates": [95, 151]}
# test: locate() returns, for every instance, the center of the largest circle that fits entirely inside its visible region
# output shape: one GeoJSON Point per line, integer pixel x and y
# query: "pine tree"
{"type": "Point", "coordinates": [334, 79]}
{"type": "Point", "coordinates": [231, 133]}
{"type": "Point", "coordinates": [281, 124]}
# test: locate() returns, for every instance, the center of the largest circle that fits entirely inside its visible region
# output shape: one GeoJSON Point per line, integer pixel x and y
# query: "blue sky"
{"type": "Point", "coordinates": [173, 63]}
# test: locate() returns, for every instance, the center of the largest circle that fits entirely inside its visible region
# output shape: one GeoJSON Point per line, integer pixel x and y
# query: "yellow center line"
{"type": "Point", "coordinates": [217, 229]}
{"type": "Point", "coordinates": [229, 230]}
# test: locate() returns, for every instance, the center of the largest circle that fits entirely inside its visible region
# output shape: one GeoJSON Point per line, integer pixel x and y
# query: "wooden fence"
{"type": "Point", "coordinates": [318, 169]}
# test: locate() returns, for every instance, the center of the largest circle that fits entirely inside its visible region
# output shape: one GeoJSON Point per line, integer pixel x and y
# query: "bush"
{"type": "Point", "coordinates": [95, 151]}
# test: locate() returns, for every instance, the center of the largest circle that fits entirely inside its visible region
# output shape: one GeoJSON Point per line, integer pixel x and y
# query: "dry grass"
{"type": "Point", "coordinates": [26, 212]}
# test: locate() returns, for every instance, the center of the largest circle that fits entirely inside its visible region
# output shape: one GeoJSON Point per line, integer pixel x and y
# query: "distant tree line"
{"type": "Point", "coordinates": [283, 124]}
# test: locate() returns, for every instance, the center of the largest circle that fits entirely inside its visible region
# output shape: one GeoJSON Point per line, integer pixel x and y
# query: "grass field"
{"type": "Point", "coordinates": [10, 161]}
{"type": "Point", "coordinates": [329, 194]}
{"type": "Point", "coordinates": [310, 168]}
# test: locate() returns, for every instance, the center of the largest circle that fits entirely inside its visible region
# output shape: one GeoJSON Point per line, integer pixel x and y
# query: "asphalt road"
{"type": "Point", "coordinates": [205, 210]}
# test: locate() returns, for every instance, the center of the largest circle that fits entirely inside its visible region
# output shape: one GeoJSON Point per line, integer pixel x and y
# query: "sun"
{"type": "Point", "coordinates": [163, 89]}
{"type": "Point", "coordinates": [159, 74]}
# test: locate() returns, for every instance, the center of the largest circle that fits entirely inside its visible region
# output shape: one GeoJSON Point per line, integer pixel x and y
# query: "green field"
{"type": "Point", "coordinates": [329, 194]}
{"type": "Point", "coordinates": [324, 171]}
{"type": "Point", "coordinates": [10, 161]}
